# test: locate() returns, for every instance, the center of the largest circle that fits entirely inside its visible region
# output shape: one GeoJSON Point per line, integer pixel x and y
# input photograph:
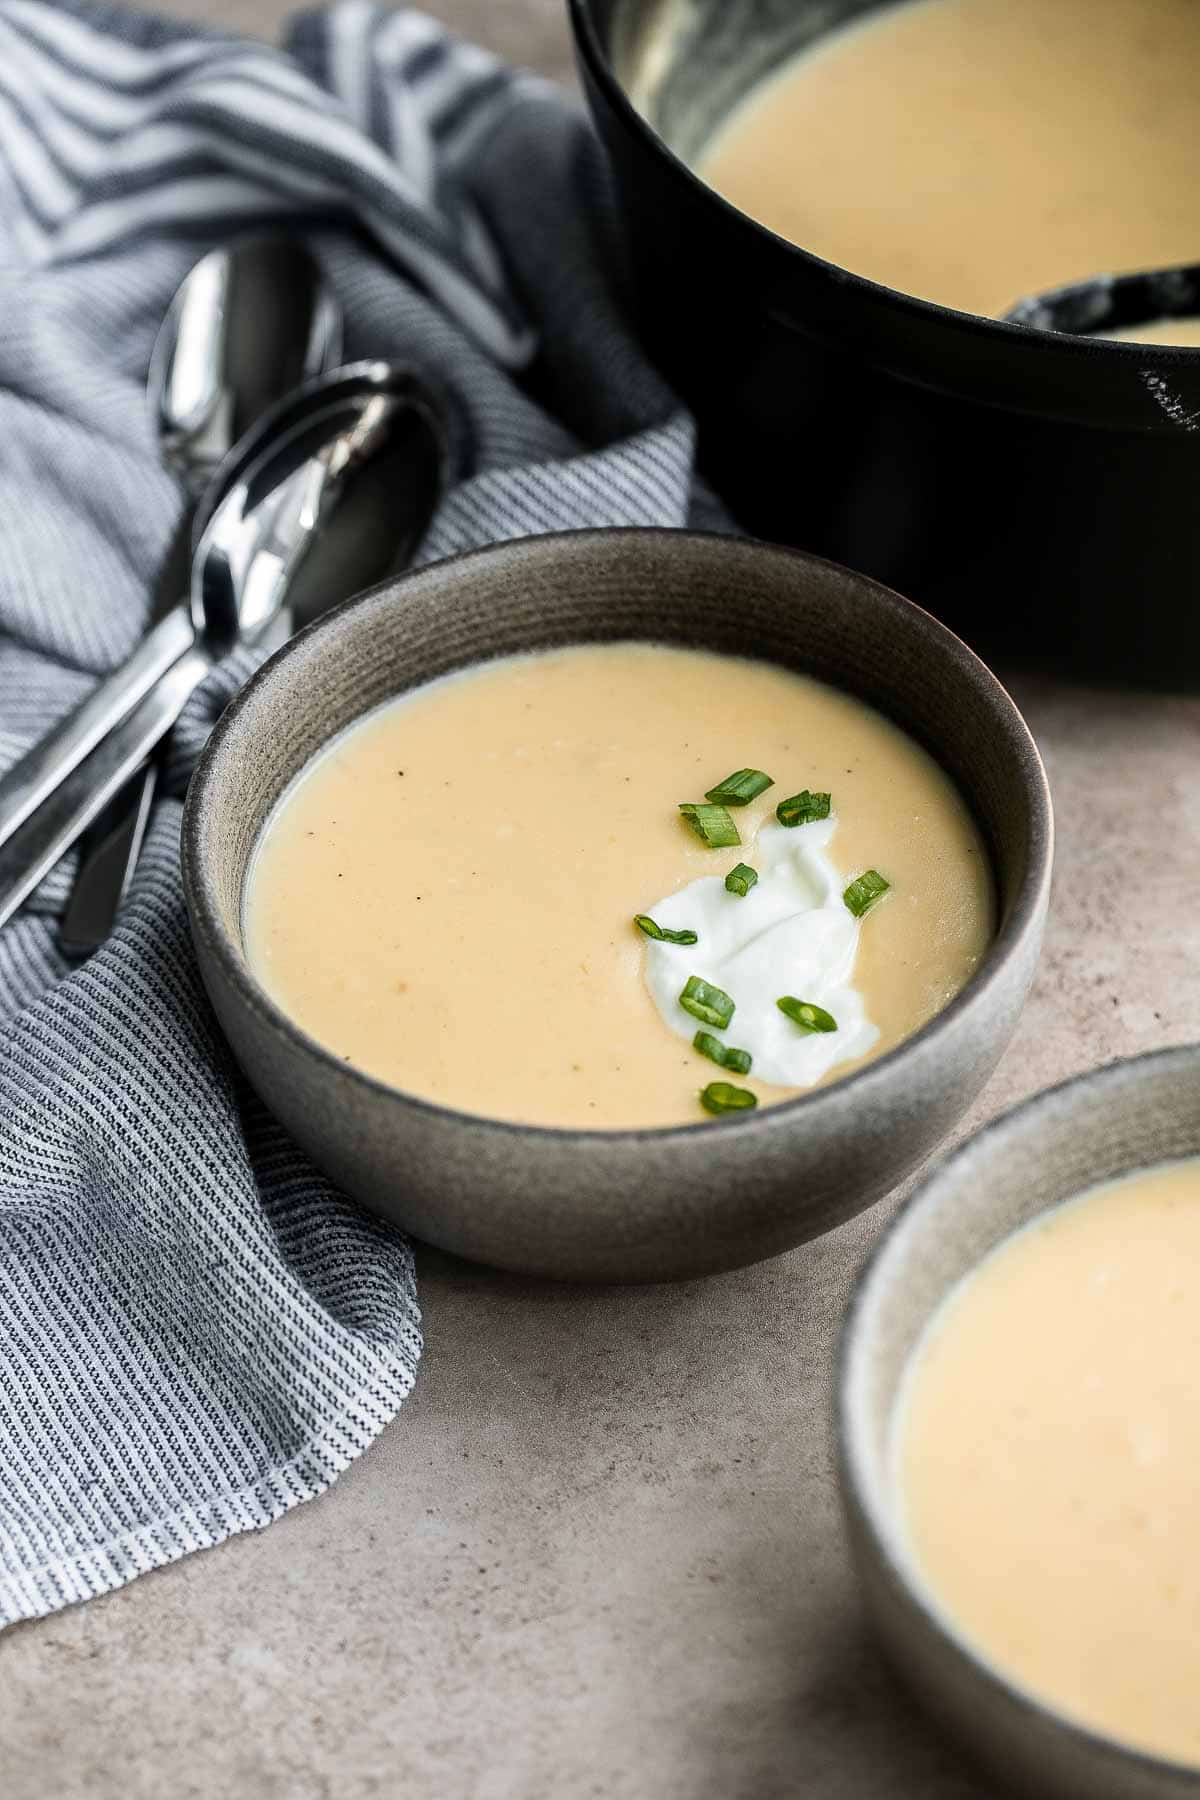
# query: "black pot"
{"type": "Point", "coordinates": [1038, 491]}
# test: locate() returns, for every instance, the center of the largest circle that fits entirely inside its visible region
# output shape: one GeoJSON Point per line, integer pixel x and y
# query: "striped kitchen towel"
{"type": "Point", "coordinates": [196, 1330]}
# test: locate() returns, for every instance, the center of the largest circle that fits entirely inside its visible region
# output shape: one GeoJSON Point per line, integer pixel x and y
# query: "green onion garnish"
{"type": "Point", "coordinates": [863, 892]}
{"type": "Point", "coordinates": [659, 932]}
{"type": "Point", "coordinates": [711, 1005]}
{"type": "Point", "coordinates": [741, 788]}
{"type": "Point", "coordinates": [740, 879]}
{"type": "Point", "coordinates": [722, 1097]}
{"type": "Point", "coordinates": [712, 823]}
{"type": "Point", "coordinates": [803, 808]}
{"type": "Point", "coordinates": [807, 1016]}
{"type": "Point", "coordinates": [724, 1055]}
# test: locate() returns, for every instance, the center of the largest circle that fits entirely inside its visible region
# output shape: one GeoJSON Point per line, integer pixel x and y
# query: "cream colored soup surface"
{"type": "Point", "coordinates": [1049, 1459]}
{"type": "Point", "coordinates": [445, 897]}
{"type": "Point", "coordinates": [1184, 333]}
{"type": "Point", "coordinates": [976, 151]}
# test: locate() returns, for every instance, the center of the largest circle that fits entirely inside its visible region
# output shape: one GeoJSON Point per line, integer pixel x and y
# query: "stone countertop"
{"type": "Point", "coordinates": [598, 1552]}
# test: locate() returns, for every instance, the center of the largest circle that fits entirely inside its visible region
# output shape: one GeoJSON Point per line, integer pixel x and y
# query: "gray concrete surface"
{"type": "Point", "coordinates": [598, 1554]}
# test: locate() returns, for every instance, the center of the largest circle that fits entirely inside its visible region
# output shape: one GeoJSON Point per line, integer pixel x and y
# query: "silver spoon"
{"type": "Point", "coordinates": [32, 778]}
{"type": "Point", "coordinates": [249, 324]}
{"type": "Point", "coordinates": [335, 487]}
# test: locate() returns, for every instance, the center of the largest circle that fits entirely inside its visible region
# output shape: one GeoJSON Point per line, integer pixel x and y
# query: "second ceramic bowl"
{"type": "Point", "coordinates": [1094, 1129]}
{"type": "Point", "coordinates": [628, 1204]}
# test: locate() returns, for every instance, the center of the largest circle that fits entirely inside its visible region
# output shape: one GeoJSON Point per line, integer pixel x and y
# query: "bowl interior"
{"type": "Point", "coordinates": [724, 594]}
{"type": "Point", "coordinates": [1096, 1128]}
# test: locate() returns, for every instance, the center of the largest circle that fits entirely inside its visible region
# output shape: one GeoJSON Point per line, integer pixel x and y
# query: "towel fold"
{"type": "Point", "coordinates": [196, 1330]}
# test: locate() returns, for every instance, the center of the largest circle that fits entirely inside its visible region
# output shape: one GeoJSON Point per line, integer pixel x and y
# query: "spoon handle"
{"type": "Point", "coordinates": [33, 848]}
{"type": "Point", "coordinates": [108, 856]}
{"type": "Point", "coordinates": [111, 845]}
{"type": "Point", "coordinates": [35, 776]}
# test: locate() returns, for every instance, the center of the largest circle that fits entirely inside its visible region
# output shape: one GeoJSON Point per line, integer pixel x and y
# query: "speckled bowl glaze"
{"type": "Point", "coordinates": [645, 1204]}
{"type": "Point", "coordinates": [1096, 1128]}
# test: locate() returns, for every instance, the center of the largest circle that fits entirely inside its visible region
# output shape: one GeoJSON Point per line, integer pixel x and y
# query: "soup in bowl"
{"type": "Point", "coordinates": [620, 905]}
{"type": "Point", "coordinates": [1018, 1439]}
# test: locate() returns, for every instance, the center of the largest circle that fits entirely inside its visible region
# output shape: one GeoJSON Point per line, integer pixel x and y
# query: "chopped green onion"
{"type": "Point", "coordinates": [722, 1097]}
{"type": "Point", "coordinates": [740, 879]}
{"type": "Point", "coordinates": [712, 823]}
{"type": "Point", "coordinates": [659, 932]}
{"type": "Point", "coordinates": [711, 1005]}
{"type": "Point", "coordinates": [740, 788]}
{"type": "Point", "coordinates": [807, 1016]}
{"type": "Point", "coordinates": [803, 808]}
{"type": "Point", "coordinates": [862, 893]}
{"type": "Point", "coordinates": [724, 1055]}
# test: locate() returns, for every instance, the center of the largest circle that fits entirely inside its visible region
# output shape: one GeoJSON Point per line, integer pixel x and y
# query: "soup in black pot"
{"type": "Point", "coordinates": [919, 168]}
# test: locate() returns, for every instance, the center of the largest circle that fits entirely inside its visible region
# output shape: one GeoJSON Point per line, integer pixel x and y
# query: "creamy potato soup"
{"type": "Point", "coordinates": [1048, 1458]}
{"type": "Point", "coordinates": [1184, 333]}
{"type": "Point", "coordinates": [573, 888]}
{"type": "Point", "coordinates": [973, 152]}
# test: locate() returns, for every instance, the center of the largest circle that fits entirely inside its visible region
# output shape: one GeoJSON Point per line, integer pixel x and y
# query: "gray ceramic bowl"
{"type": "Point", "coordinates": [1093, 1129]}
{"type": "Point", "coordinates": [622, 1205]}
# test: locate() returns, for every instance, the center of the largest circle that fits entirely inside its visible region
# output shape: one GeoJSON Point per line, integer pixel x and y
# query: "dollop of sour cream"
{"type": "Point", "coordinates": [791, 934]}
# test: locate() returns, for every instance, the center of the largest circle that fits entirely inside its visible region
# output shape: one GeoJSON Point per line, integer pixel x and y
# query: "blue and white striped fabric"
{"type": "Point", "coordinates": [196, 1331]}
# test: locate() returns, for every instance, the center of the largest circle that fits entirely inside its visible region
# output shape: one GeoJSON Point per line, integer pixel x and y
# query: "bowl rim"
{"type": "Point", "coordinates": [1077, 344]}
{"type": "Point", "coordinates": [1025, 914]}
{"type": "Point", "coordinates": [864, 1495]}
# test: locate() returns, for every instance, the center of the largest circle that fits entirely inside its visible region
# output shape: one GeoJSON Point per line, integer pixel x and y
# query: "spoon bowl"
{"type": "Point", "coordinates": [324, 497]}
{"type": "Point", "coordinates": [251, 322]}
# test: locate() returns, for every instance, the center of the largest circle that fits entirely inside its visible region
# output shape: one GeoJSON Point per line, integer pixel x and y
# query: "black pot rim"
{"type": "Point", "coordinates": [1114, 356]}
